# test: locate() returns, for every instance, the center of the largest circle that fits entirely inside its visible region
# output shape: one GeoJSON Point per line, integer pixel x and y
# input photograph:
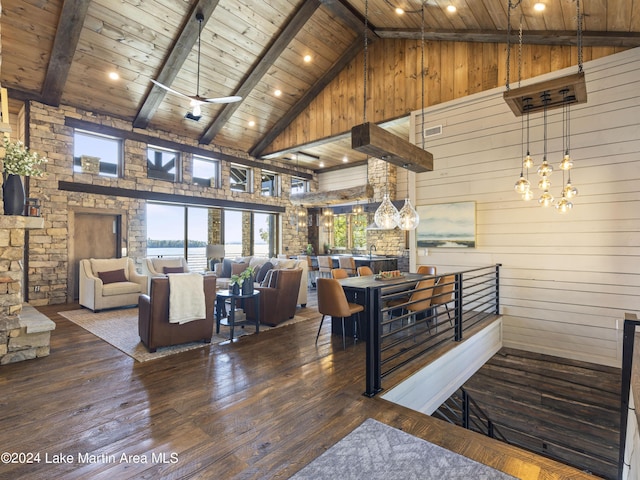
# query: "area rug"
{"type": "Point", "coordinates": [377, 451]}
{"type": "Point", "coordinates": [120, 328]}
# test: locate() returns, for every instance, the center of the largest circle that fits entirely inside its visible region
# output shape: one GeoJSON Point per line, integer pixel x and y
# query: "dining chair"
{"type": "Point", "coordinates": [348, 264]}
{"type": "Point", "coordinates": [443, 294]}
{"type": "Point", "coordinates": [339, 273]}
{"type": "Point", "coordinates": [325, 264]}
{"type": "Point", "coordinates": [364, 271]}
{"type": "Point", "coordinates": [426, 270]}
{"type": "Point", "coordinates": [332, 301]}
{"type": "Point", "coordinates": [419, 301]}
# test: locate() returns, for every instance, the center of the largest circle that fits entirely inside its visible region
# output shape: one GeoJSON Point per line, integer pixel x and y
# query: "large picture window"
{"type": "Point", "coordinates": [163, 164]}
{"type": "Point", "coordinates": [99, 154]}
{"type": "Point", "coordinates": [349, 232]}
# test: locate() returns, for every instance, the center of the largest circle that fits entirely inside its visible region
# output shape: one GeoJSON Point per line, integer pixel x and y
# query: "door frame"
{"type": "Point", "coordinates": [121, 238]}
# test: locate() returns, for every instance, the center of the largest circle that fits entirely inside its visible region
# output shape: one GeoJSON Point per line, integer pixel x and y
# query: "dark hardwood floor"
{"type": "Point", "coordinates": [262, 407]}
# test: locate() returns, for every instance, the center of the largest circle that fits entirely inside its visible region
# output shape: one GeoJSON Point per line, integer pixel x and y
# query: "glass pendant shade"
{"type": "Point", "coordinates": [544, 183]}
{"type": "Point", "coordinates": [545, 168]}
{"type": "Point", "coordinates": [564, 205]}
{"type": "Point", "coordinates": [570, 191]}
{"type": "Point", "coordinates": [522, 185]}
{"type": "Point", "coordinates": [566, 162]}
{"type": "Point", "coordinates": [386, 216]}
{"type": "Point", "coordinates": [528, 195]}
{"type": "Point", "coordinates": [409, 218]}
{"type": "Point", "coordinates": [546, 199]}
{"type": "Point", "coordinates": [528, 161]}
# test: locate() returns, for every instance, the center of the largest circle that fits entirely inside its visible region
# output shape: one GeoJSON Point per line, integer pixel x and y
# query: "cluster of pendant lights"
{"type": "Point", "coordinates": [387, 215]}
{"type": "Point", "coordinates": [523, 185]}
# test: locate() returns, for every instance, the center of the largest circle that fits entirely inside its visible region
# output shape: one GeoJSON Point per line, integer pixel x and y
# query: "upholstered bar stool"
{"type": "Point", "coordinates": [325, 264]}
{"type": "Point", "coordinates": [348, 264]}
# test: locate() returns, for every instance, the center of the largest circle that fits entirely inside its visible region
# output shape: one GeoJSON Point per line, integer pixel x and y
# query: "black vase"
{"type": "Point", "coordinates": [13, 195]}
{"type": "Point", "coordinates": [234, 289]}
{"type": "Point", "coordinates": [247, 286]}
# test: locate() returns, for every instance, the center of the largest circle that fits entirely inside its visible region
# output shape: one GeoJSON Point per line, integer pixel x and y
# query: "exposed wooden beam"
{"type": "Point", "coordinates": [333, 197]}
{"type": "Point", "coordinates": [299, 19]}
{"type": "Point", "coordinates": [378, 142]}
{"type": "Point", "coordinates": [339, 9]}
{"type": "Point", "coordinates": [532, 37]}
{"type": "Point", "coordinates": [174, 61]}
{"type": "Point", "coordinates": [64, 48]}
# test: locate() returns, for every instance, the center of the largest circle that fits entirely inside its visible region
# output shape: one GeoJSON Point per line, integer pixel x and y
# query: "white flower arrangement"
{"type": "Point", "coordinates": [18, 160]}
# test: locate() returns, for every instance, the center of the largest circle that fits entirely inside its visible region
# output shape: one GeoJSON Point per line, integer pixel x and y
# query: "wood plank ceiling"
{"type": "Point", "coordinates": [61, 52]}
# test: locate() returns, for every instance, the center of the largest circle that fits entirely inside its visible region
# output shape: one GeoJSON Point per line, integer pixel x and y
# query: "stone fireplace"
{"type": "Point", "coordinates": [24, 332]}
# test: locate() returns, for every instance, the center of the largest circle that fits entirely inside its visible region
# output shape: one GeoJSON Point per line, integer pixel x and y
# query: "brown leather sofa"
{"type": "Point", "coordinates": [153, 317]}
{"type": "Point", "coordinates": [278, 301]}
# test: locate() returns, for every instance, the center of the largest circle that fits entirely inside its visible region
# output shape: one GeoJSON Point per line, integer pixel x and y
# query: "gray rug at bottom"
{"type": "Point", "coordinates": [377, 451]}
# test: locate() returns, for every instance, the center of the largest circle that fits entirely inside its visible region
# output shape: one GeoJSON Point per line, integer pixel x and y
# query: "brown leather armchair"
{"type": "Point", "coordinates": [278, 301]}
{"type": "Point", "coordinates": [153, 317]}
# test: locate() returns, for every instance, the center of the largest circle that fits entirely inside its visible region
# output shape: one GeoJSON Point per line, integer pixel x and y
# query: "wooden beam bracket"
{"type": "Point", "coordinates": [530, 98]}
{"type": "Point", "coordinates": [377, 142]}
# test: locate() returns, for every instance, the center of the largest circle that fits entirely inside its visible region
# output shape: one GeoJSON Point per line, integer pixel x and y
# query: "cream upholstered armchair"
{"type": "Point", "coordinates": [160, 266]}
{"type": "Point", "coordinates": [109, 283]}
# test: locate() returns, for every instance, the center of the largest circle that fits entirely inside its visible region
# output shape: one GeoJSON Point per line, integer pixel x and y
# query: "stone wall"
{"type": "Point", "coordinates": [49, 267]}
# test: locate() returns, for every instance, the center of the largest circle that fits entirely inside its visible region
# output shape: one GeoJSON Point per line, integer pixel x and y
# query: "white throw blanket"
{"type": "Point", "coordinates": [186, 297]}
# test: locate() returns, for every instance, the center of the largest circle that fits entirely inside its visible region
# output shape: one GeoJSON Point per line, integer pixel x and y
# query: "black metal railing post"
{"type": "Point", "coordinates": [373, 356]}
{"type": "Point", "coordinates": [630, 324]}
{"type": "Point", "coordinates": [465, 408]}
{"type": "Point", "coordinates": [458, 307]}
{"type": "Point", "coordinates": [498, 265]}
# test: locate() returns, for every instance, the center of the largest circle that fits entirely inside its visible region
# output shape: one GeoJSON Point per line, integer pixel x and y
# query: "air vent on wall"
{"type": "Point", "coordinates": [432, 131]}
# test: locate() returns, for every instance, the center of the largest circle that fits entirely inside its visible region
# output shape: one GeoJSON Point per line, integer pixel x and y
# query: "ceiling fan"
{"type": "Point", "coordinates": [197, 100]}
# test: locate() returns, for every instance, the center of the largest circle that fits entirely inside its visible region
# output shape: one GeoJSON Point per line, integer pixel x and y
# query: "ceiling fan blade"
{"type": "Point", "coordinates": [171, 89]}
{"type": "Point", "coordinates": [232, 99]}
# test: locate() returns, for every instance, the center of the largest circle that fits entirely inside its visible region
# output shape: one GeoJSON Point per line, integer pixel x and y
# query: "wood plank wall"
{"type": "Point", "coordinates": [566, 281]}
{"type": "Point", "coordinates": [453, 70]}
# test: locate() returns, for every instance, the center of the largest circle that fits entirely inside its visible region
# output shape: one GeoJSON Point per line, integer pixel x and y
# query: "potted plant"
{"type": "Point", "coordinates": [18, 162]}
{"type": "Point", "coordinates": [242, 281]}
{"type": "Point", "coordinates": [309, 249]}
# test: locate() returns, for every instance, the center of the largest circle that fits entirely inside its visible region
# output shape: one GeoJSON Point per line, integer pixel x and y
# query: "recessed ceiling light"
{"type": "Point", "coordinates": [345, 159]}
{"type": "Point", "coordinates": [114, 76]}
{"type": "Point", "coordinates": [277, 92]}
{"type": "Point", "coordinates": [539, 7]}
{"type": "Point", "coordinates": [399, 11]}
{"type": "Point", "coordinates": [451, 8]}
{"type": "Point", "coordinates": [307, 58]}
{"type": "Point", "coordinates": [252, 123]}
{"type": "Point", "coordinates": [321, 164]}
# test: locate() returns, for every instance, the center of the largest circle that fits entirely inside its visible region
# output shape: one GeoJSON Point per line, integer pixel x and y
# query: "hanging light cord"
{"type": "Point", "coordinates": [579, 20]}
{"type": "Point", "coordinates": [198, 77]}
{"type": "Point", "coordinates": [366, 27]}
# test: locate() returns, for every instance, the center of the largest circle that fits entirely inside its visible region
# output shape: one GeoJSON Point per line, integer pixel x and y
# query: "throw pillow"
{"type": "Point", "coordinates": [262, 273]}
{"type": "Point", "coordinates": [113, 276]}
{"type": "Point", "coordinates": [267, 278]}
{"type": "Point", "coordinates": [226, 268]}
{"type": "Point", "coordinates": [173, 270]}
{"type": "Point", "coordinates": [238, 268]}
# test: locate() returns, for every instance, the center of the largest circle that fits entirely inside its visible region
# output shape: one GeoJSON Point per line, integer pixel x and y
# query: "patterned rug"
{"type": "Point", "coordinates": [377, 451]}
{"type": "Point", "coordinates": [119, 327]}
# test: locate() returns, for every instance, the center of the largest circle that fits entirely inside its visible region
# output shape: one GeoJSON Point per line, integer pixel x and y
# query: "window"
{"type": "Point", "coordinates": [240, 179]}
{"type": "Point", "coordinates": [232, 233]}
{"type": "Point", "coordinates": [269, 184]}
{"type": "Point", "coordinates": [95, 153]}
{"type": "Point", "coordinates": [264, 238]}
{"type": "Point", "coordinates": [163, 164]}
{"type": "Point", "coordinates": [167, 227]}
{"type": "Point", "coordinates": [349, 231]}
{"type": "Point", "coordinates": [206, 171]}
{"type": "Point", "coordinates": [299, 185]}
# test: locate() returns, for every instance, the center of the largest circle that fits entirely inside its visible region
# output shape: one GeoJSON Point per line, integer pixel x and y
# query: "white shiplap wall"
{"type": "Point", "coordinates": [566, 281]}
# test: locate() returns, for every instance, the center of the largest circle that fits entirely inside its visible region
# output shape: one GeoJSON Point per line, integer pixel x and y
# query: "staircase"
{"type": "Point", "coordinates": [560, 408]}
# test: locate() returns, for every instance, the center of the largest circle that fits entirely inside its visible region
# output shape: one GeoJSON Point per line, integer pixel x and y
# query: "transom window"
{"type": "Point", "coordinates": [240, 180]}
{"type": "Point", "coordinates": [163, 164]}
{"type": "Point", "coordinates": [270, 184]}
{"type": "Point", "coordinates": [98, 154]}
{"type": "Point", "coordinates": [299, 185]}
{"type": "Point", "coordinates": [206, 171]}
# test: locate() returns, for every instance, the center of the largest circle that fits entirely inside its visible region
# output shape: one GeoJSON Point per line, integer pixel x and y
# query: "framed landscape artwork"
{"type": "Point", "coordinates": [451, 225]}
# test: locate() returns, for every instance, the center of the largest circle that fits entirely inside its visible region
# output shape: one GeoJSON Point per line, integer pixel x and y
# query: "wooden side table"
{"type": "Point", "coordinates": [221, 298]}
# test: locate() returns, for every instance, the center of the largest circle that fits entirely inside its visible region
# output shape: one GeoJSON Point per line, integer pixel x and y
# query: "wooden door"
{"type": "Point", "coordinates": [95, 235]}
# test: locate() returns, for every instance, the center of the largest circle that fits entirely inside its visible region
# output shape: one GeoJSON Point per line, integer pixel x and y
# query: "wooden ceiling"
{"type": "Point", "coordinates": [61, 52]}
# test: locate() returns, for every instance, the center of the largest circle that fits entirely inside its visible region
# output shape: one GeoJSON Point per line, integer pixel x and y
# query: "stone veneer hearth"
{"type": "Point", "coordinates": [24, 332]}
